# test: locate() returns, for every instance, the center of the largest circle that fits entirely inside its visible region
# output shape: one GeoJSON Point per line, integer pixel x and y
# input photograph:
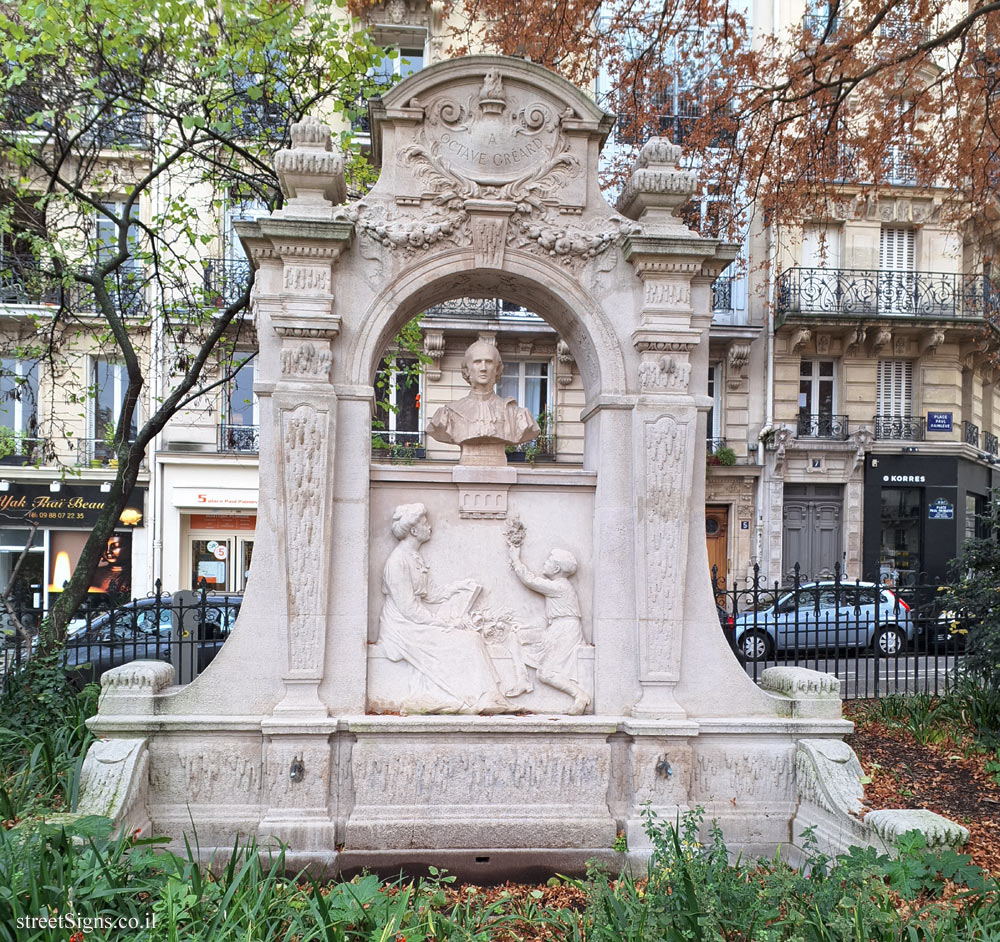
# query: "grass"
{"type": "Point", "coordinates": [691, 891]}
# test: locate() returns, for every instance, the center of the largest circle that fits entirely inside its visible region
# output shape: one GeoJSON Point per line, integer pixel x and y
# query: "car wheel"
{"type": "Point", "coordinates": [889, 641]}
{"type": "Point", "coordinates": [755, 645]}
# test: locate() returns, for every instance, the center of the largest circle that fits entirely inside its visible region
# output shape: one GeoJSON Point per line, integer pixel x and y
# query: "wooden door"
{"type": "Point", "coordinates": [716, 536]}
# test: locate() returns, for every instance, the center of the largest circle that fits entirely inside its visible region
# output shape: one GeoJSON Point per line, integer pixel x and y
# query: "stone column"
{"type": "Point", "coordinates": [299, 309]}
{"type": "Point", "coordinates": [666, 256]}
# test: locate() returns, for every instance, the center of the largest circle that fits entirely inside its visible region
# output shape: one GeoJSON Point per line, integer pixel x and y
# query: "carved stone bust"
{"type": "Point", "coordinates": [482, 422]}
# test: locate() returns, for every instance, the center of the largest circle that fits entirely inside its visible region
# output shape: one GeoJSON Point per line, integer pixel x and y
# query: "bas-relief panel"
{"type": "Point", "coordinates": [483, 616]}
{"type": "Point", "coordinates": [737, 775]}
{"type": "Point", "coordinates": [205, 769]}
{"type": "Point", "coordinates": [474, 772]}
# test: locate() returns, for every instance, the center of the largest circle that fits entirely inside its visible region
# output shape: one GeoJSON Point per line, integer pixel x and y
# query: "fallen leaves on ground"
{"type": "Point", "coordinates": [949, 778]}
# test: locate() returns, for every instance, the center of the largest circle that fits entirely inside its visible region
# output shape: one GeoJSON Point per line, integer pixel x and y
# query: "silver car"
{"type": "Point", "coordinates": [827, 615]}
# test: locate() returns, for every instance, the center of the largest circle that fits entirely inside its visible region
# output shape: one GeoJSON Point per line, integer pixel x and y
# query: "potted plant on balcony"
{"type": "Point", "coordinates": [724, 456]}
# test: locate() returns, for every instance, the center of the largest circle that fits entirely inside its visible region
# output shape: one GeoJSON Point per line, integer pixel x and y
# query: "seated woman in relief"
{"type": "Point", "coordinates": [419, 624]}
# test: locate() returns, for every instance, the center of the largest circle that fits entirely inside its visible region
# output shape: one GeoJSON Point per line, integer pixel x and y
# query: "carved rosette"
{"type": "Point", "coordinates": [303, 436]}
{"type": "Point", "coordinates": [663, 535]}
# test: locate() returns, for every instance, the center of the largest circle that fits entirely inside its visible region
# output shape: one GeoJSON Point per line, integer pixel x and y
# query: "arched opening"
{"type": "Point", "coordinates": [420, 370]}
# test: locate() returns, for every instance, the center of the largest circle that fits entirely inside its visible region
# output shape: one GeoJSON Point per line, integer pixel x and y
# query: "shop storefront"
{"type": "Point", "coordinates": [208, 531]}
{"type": "Point", "coordinates": [64, 514]}
{"type": "Point", "coordinates": [918, 511]}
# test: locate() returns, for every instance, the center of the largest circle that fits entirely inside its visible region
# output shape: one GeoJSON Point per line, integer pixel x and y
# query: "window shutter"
{"type": "Point", "coordinates": [896, 249]}
{"type": "Point", "coordinates": [895, 388]}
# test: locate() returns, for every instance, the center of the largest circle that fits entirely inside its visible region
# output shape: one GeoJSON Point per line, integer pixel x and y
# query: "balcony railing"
{"type": "Point", "coordinates": [853, 292]}
{"type": "Point", "coordinates": [832, 427]}
{"type": "Point", "coordinates": [491, 308]}
{"type": "Point", "coordinates": [239, 439]}
{"type": "Point", "coordinates": [26, 283]}
{"type": "Point", "coordinates": [991, 445]}
{"type": "Point", "coordinates": [722, 294]}
{"type": "Point", "coordinates": [904, 428]}
{"type": "Point", "coordinates": [542, 448]}
{"type": "Point", "coordinates": [388, 443]}
{"type": "Point", "coordinates": [225, 280]}
{"type": "Point", "coordinates": [712, 445]}
{"type": "Point", "coordinates": [19, 450]}
{"type": "Point", "coordinates": [970, 434]}
{"type": "Point", "coordinates": [818, 26]}
{"type": "Point", "coordinates": [96, 452]}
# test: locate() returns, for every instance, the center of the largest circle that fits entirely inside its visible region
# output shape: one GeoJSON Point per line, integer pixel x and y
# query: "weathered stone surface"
{"type": "Point", "coordinates": [892, 823]}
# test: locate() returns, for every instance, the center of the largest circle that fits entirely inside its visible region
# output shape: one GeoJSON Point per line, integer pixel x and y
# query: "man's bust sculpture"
{"type": "Point", "coordinates": [482, 422]}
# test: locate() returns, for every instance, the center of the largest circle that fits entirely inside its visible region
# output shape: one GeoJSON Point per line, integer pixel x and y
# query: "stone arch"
{"type": "Point", "coordinates": [541, 286]}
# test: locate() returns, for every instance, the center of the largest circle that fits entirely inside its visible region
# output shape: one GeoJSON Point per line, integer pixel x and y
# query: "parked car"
{"type": "Point", "coordinates": [827, 615]}
{"type": "Point", "coordinates": [142, 630]}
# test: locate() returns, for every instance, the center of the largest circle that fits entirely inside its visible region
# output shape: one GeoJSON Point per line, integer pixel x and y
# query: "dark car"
{"type": "Point", "coordinates": [143, 630]}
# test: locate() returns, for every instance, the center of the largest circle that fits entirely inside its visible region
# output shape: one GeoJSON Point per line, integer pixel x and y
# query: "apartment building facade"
{"type": "Point", "coordinates": [853, 420]}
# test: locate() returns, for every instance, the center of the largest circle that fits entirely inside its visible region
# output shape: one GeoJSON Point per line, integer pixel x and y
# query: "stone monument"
{"type": "Point", "coordinates": [461, 663]}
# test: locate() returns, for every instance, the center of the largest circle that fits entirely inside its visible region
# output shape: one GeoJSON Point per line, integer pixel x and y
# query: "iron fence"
{"type": "Point", "coordinates": [877, 638]}
{"type": "Point", "coordinates": [184, 629]}
{"type": "Point", "coordinates": [970, 434]}
{"type": "Point", "coordinates": [991, 445]}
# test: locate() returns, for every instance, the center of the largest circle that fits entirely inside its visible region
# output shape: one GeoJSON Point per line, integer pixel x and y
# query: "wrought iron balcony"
{"type": "Point", "coordinates": [96, 452]}
{"type": "Point", "coordinates": [491, 308]}
{"type": "Point", "coordinates": [26, 283]}
{"type": "Point", "coordinates": [900, 428]}
{"type": "Point", "coordinates": [225, 280]}
{"type": "Point", "coordinates": [722, 293]}
{"type": "Point", "coordinates": [970, 434]}
{"type": "Point", "coordinates": [856, 292]}
{"type": "Point", "coordinates": [991, 445]}
{"type": "Point", "coordinates": [239, 439]}
{"type": "Point", "coordinates": [712, 445]}
{"type": "Point", "coordinates": [832, 427]}
{"type": "Point", "coordinates": [387, 443]}
{"type": "Point", "coordinates": [542, 448]}
{"type": "Point", "coordinates": [819, 26]}
{"type": "Point", "coordinates": [19, 450]}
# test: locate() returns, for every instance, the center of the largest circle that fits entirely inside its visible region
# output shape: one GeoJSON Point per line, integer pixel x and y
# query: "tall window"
{"type": "Point", "coordinates": [397, 403]}
{"type": "Point", "coordinates": [125, 283]}
{"type": "Point", "coordinates": [816, 399]}
{"type": "Point", "coordinates": [407, 49]}
{"type": "Point", "coordinates": [895, 277]}
{"type": "Point", "coordinates": [242, 400]}
{"type": "Point", "coordinates": [894, 395]}
{"type": "Point", "coordinates": [19, 401]}
{"type": "Point", "coordinates": [109, 385]}
{"type": "Point", "coordinates": [527, 381]}
{"type": "Point", "coordinates": [713, 426]}
{"type": "Point", "coordinates": [239, 431]}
